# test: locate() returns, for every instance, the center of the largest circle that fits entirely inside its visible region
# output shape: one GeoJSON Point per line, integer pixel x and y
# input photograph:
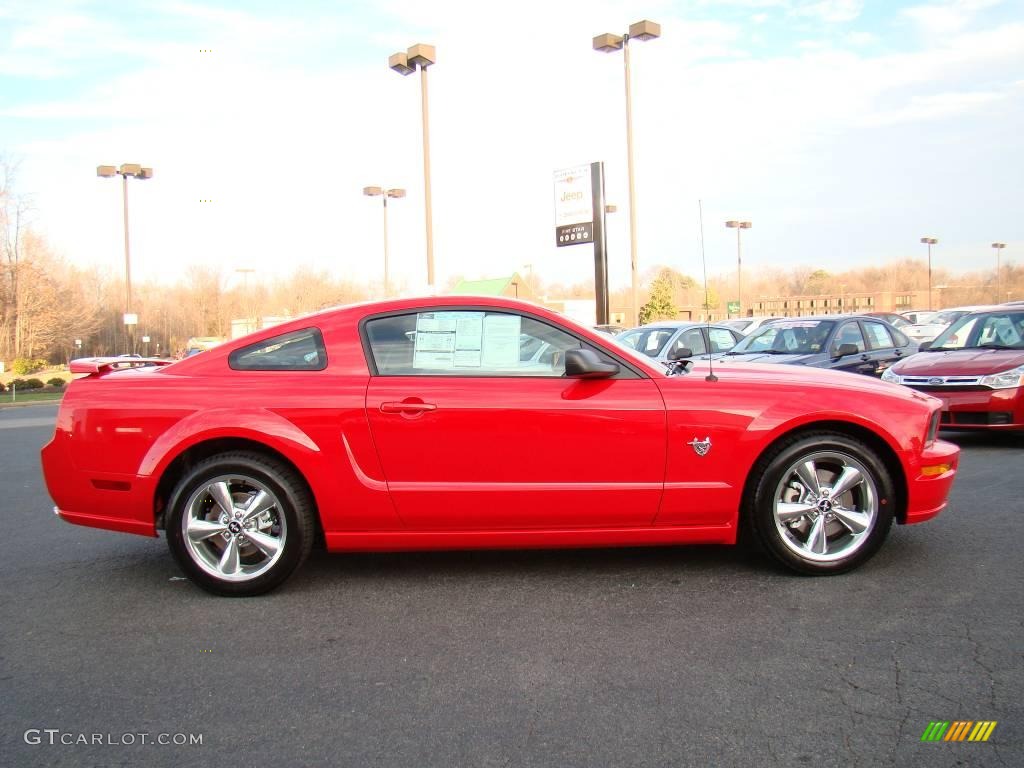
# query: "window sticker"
{"type": "Point", "coordinates": [500, 341]}
{"type": "Point", "coordinates": [448, 340]}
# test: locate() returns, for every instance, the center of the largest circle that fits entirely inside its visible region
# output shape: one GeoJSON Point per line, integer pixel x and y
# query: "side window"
{"type": "Point", "coordinates": [468, 343]}
{"type": "Point", "coordinates": [878, 336]}
{"type": "Point", "coordinates": [721, 340]}
{"type": "Point", "coordinates": [693, 340]}
{"type": "Point", "coordinates": [849, 333]}
{"type": "Point", "coordinates": [296, 351]}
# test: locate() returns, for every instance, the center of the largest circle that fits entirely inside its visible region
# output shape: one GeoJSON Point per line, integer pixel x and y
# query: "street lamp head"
{"type": "Point", "coordinates": [607, 42]}
{"type": "Point", "coordinates": [398, 192]}
{"type": "Point", "coordinates": [745, 225]}
{"type": "Point", "coordinates": [734, 224]}
{"type": "Point", "coordinates": [644, 30]}
{"type": "Point", "coordinates": [372, 191]}
{"type": "Point", "coordinates": [400, 63]}
{"type": "Point", "coordinates": [421, 54]}
{"type": "Point", "coordinates": [130, 169]}
{"type": "Point", "coordinates": [999, 245]}
{"type": "Point", "coordinates": [106, 171]}
{"type": "Point", "coordinates": [929, 240]}
{"type": "Point", "coordinates": [145, 173]}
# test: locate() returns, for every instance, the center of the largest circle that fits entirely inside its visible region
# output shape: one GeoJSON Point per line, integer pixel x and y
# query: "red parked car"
{"type": "Point", "coordinates": [976, 367]}
{"type": "Point", "coordinates": [442, 423]}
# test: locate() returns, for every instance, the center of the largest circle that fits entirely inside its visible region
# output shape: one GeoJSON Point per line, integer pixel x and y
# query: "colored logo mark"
{"type": "Point", "coordinates": [959, 730]}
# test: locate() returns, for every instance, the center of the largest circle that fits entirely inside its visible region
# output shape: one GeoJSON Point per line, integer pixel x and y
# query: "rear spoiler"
{"type": "Point", "coordinates": [102, 365]}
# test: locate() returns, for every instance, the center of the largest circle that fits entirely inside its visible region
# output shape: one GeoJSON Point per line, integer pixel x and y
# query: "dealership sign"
{"type": "Point", "coordinates": [574, 206]}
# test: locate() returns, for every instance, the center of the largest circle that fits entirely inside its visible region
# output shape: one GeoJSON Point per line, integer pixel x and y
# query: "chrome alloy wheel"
{"type": "Point", "coordinates": [233, 528]}
{"type": "Point", "coordinates": [826, 506]}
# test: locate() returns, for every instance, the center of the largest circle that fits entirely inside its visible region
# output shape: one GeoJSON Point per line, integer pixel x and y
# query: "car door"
{"type": "Point", "coordinates": [882, 349]}
{"type": "Point", "coordinates": [473, 436]}
{"type": "Point", "coordinates": [849, 332]}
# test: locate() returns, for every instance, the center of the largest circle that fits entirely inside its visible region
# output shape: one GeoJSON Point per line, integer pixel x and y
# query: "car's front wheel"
{"type": "Point", "coordinates": [240, 523]}
{"type": "Point", "coordinates": [823, 503]}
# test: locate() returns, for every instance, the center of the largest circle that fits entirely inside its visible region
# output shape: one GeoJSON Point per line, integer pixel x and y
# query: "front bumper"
{"type": "Point", "coordinates": [929, 481]}
{"type": "Point", "coordinates": [989, 409]}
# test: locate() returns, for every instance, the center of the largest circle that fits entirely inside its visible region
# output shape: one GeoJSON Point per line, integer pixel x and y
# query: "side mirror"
{"type": "Point", "coordinates": [924, 345]}
{"type": "Point", "coordinates": [680, 353]}
{"type": "Point", "coordinates": [587, 364]}
{"type": "Point", "coordinates": [845, 350]}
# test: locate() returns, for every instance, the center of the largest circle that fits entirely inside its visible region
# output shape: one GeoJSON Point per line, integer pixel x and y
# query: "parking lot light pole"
{"type": "Point", "coordinates": [608, 42]}
{"type": "Point", "coordinates": [999, 249]}
{"type": "Point", "coordinates": [135, 171]}
{"type": "Point", "coordinates": [384, 195]}
{"type": "Point", "coordinates": [422, 56]}
{"type": "Point", "coordinates": [739, 226]}
{"type": "Point", "coordinates": [929, 241]}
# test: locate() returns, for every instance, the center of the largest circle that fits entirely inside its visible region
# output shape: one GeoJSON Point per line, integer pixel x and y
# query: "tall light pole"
{"type": "Point", "coordinates": [422, 56]}
{"type": "Point", "coordinates": [739, 226]}
{"type": "Point", "coordinates": [929, 241]}
{"type": "Point", "coordinates": [385, 194]}
{"type": "Point", "coordinates": [136, 171]}
{"type": "Point", "coordinates": [641, 30]}
{"type": "Point", "coordinates": [999, 249]}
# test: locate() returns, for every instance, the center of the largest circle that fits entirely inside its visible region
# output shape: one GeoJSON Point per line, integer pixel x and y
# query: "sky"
{"type": "Point", "coordinates": [844, 130]}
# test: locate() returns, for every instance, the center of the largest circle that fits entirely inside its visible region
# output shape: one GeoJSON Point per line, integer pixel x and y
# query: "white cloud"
{"type": "Point", "coordinates": [831, 11]}
{"type": "Point", "coordinates": [946, 18]}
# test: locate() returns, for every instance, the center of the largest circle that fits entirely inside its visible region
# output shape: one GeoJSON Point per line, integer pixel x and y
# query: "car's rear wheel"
{"type": "Point", "coordinates": [823, 503]}
{"type": "Point", "coordinates": [240, 523]}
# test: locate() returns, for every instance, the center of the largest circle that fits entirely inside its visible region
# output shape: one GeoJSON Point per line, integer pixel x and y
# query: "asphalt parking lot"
{"type": "Point", "coordinates": [642, 657]}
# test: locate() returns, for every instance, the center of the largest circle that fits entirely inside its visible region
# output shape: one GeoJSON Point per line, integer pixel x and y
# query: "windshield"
{"type": "Point", "coordinates": [991, 330]}
{"type": "Point", "coordinates": [947, 317]}
{"type": "Point", "coordinates": [737, 325]}
{"type": "Point", "coordinates": [787, 337]}
{"type": "Point", "coordinates": [649, 341]}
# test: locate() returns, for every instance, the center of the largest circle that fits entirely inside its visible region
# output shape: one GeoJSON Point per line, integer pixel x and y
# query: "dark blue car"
{"type": "Point", "coordinates": [854, 343]}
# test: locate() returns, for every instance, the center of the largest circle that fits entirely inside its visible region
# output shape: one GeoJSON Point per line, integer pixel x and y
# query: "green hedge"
{"type": "Point", "coordinates": [34, 384]}
{"type": "Point", "coordinates": [56, 383]}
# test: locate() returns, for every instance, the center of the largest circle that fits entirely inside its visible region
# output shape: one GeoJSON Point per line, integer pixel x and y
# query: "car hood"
{"type": "Point", "coordinates": [964, 362]}
{"type": "Point", "coordinates": [807, 379]}
{"type": "Point", "coordinates": [761, 357]}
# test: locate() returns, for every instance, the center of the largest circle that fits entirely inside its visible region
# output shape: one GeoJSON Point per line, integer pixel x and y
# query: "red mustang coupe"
{"type": "Point", "coordinates": [454, 422]}
{"type": "Point", "coordinates": [976, 367]}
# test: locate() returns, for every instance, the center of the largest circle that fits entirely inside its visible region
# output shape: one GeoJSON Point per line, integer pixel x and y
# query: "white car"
{"type": "Point", "coordinates": [927, 331]}
{"type": "Point", "coordinates": [747, 325]}
{"type": "Point", "coordinates": [919, 316]}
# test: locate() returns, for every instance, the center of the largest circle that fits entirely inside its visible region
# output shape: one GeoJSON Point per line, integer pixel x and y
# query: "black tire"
{"type": "Point", "coordinates": [284, 529]}
{"type": "Point", "coordinates": [794, 539]}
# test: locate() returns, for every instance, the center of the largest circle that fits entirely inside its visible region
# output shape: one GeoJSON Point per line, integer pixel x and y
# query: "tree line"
{"type": "Point", "coordinates": [46, 303]}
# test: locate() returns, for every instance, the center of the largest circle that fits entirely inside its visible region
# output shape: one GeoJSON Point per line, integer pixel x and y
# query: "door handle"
{"type": "Point", "coordinates": [406, 407]}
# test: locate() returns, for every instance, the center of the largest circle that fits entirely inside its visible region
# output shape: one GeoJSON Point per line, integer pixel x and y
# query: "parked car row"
{"type": "Point", "coordinates": [971, 358]}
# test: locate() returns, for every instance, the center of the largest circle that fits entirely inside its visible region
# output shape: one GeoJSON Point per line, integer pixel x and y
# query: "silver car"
{"type": "Point", "coordinates": [661, 339]}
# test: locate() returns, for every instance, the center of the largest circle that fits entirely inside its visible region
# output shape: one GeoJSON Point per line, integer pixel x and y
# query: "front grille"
{"type": "Point", "coordinates": [977, 418]}
{"type": "Point", "coordinates": [943, 382]}
{"type": "Point", "coordinates": [950, 388]}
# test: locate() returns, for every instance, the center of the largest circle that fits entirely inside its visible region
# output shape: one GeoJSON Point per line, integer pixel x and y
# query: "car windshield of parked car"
{"type": "Point", "coordinates": [947, 317]}
{"type": "Point", "coordinates": [993, 330]}
{"type": "Point", "coordinates": [787, 337]}
{"type": "Point", "coordinates": [649, 341]}
{"type": "Point", "coordinates": [740, 325]}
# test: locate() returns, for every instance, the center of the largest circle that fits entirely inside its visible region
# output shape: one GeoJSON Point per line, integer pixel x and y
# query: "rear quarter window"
{"type": "Point", "coordinates": [295, 351]}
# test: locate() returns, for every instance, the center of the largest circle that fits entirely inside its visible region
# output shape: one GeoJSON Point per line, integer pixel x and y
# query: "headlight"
{"type": "Point", "coordinates": [1005, 380]}
{"type": "Point", "coordinates": [888, 375]}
